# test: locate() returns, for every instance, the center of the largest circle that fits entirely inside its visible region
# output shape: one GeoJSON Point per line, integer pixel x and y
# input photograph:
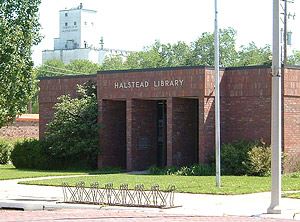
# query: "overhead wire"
{"type": "Point", "coordinates": [63, 69]}
{"type": "Point", "coordinates": [60, 73]}
{"type": "Point", "coordinates": [72, 72]}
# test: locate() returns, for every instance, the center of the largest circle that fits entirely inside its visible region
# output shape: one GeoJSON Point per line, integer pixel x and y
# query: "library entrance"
{"type": "Point", "coordinates": [149, 119]}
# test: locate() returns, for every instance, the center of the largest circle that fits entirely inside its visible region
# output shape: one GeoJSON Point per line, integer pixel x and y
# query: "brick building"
{"type": "Point", "coordinates": [165, 116]}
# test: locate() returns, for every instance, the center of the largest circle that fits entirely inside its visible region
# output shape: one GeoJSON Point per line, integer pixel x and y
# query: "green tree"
{"type": "Point", "coordinates": [202, 49]}
{"type": "Point", "coordinates": [72, 135]}
{"type": "Point", "coordinates": [178, 54]}
{"type": "Point", "coordinates": [160, 55]}
{"type": "Point", "coordinates": [56, 67]}
{"type": "Point", "coordinates": [253, 55]}
{"type": "Point", "coordinates": [19, 30]}
{"type": "Point", "coordinates": [294, 59]}
{"type": "Point", "coordinates": [83, 66]}
{"type": "Point", "coordinates": [113, 63]}
{"type": "Point", "coordinates": [150, 58]}
{"type": "Point", "coordinates": [53, 67]}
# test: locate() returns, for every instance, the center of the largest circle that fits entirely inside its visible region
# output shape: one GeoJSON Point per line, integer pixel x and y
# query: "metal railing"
{"type": "Point", "coordinates": [108, 195]}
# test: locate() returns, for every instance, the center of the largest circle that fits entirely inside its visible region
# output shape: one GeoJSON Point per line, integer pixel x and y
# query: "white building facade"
{"type": "Point", "coordinates": [76, 39]}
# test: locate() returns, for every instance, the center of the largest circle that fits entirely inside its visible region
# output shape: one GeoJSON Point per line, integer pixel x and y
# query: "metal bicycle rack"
{"type": "Point", "coordinates": [123, 196]}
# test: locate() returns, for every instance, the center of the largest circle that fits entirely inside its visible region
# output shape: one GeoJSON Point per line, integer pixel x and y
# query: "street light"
{"type": "Point", "coordinates": [217, 99]}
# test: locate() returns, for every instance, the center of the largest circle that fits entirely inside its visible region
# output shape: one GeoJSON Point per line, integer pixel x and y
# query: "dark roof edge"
{"type": "Point", "coordinates": [162, 69]}
{"type": "Point", "coordinates": [83, 9]}
{"type": "Point", "coordinates": [154, 69]}
{"type": "Point", "coordinates": [292, 67]}
{"type": "Point", "coordinates": [248, 67]}
{"type": "Point", "coordinates": [67, 76]}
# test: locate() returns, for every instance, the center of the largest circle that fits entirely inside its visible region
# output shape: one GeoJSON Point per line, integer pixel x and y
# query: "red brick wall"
{"type": "Point", "coordinates": [143, 130]}
{"type": "Point", "coordinates": [50, 90]}
{"type": "Point", "coordinates": [184, 131]}
{"type": "Point", "coordinates": [247, 104]}
{"type": "Point", "coordinates": [112, 115]}
{"type": "Point", "coordinates": [26, 129]}
{"type": "Point", "coordinates": [291, 107]}
{"type": "Point", "coordinates": [245, 112]}
{"type": "Point", "coordinates": [245, 109]}
{"type": "Point", "coordinates": [192, 86]}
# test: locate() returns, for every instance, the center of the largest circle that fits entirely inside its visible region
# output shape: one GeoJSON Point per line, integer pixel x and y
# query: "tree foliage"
{"type": "Point", "coordinates": [253, 55]}
{"type": "Point", "coordinates": [72, 135]}
{"type": "Point", "coordinates": [19, 30]}
{"type": "Point", "coordinates": [55, 67]}
{"type": "Point", "coordinates": [199, 52]}
{"type": "Point", "coordinates": [203, 49]}
{"type": "Point", "coordinates": [113, 63]}
{"type": "Point", "coordinates": [294, 59]}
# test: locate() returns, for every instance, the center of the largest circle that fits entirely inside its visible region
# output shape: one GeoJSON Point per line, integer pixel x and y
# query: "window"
{"type": "Point", "coordinates": [66, 24]}
{"type": "Point", "coordinates": [66, 14]}
{"type": "Point", "coordinates": [75, 23]}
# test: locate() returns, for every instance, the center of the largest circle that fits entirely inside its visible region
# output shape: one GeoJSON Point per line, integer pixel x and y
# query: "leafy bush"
{"type": "Point", "coordinates": [5, 149]}
{"type": "Point", "coordinates": [72, 135]}
{"type": "Point", "coordinates": [259, 161]}
{"type": "Point", "coordinates": [291, 163]}
{"type": "Point", "coordinates": [233, 155]}
{"type": "Point", "coordinates": [163, 171]}
{"type": "Point", "coordinates": [246, 158]}
{"type": "Point", "coordinates": [29, 153]}
{"type": "Point", "coordinates": [194, 170]}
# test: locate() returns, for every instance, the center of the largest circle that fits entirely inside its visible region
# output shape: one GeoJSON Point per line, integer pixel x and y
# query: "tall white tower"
{"type": "Point", "coordinates": [78, 38]}
{"type": "Point", "coordinates": [75, 28]}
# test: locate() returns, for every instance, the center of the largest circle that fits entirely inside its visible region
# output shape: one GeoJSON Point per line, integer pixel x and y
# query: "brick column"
{"type": "Point", "coordinates": [100, 162]}
{"type": "Point", "coordinates": [129, 119]}
{"type": "Point", "coordinates": [201, 147]}
{"type": "Point", "coordinates": [169, 131]}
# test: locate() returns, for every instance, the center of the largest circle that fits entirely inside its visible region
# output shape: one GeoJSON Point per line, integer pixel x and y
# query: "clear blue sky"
{"type": "Point", "coordinates": [133, 24]}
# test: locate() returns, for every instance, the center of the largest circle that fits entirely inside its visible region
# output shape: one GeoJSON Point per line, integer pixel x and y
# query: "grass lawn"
{"type": "Point", "coordinates": [10, 172]}
{"type": "Point", "coordinates": [295, 195]}
{"type": "Point", "coordinates": [187, 184]}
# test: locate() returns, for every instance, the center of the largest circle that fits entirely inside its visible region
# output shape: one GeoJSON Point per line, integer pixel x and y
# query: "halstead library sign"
{"type": "Point", "coordinates": [147, 83]}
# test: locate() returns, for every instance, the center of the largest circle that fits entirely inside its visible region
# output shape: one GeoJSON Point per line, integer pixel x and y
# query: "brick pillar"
{"type": "Point", "coordinates": [201, 147]}
{"type": "Point", "coordinates": [129, 119]}
{"type": "Point", "coordinates": [100, 162]}
{"type": "Point", "coordinates": [169, 131]}
{"type": "Point", "coordinates": [112, 133]}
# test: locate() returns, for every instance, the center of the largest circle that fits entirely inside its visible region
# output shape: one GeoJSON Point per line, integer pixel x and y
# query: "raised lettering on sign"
{"type": "Point", "coordinates": [146, 84]}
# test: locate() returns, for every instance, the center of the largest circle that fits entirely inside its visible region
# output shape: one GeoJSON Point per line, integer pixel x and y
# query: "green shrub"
{"type": "Point", "coordinates": [291, 163]}
{"type": "Point", "coordinates": [72, 136]}
{"type": "Point", "coordinates": [5, 150]}
{"type": "Point", "coordinates": [259, 161]}
{"type": "Point", "coordinates": [246, 158]}
{"type": "Point", "coordinates": [202, 170]}
{"type": "Point", "coordinates": [194, 170]}
{"type": "Point", "coordinates": [163, 171]}
{"type": "Point", "coordinates": [233, 155]}
{"type": "Point", "coordinates": [155, 170]}
{"type": "Point", "coordinates": [29, 153]}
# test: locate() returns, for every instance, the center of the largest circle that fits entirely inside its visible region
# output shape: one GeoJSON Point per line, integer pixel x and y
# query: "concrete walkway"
{"type": "Point", "coordinates": [31, 197]}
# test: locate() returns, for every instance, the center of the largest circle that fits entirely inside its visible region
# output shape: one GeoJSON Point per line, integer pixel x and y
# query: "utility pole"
{"type": "Point", "coordinates": [217, 99]}
{"type": "Point", "coordinates": [286, 34]}
{"type": "Point", "coordinates": [276, 130]}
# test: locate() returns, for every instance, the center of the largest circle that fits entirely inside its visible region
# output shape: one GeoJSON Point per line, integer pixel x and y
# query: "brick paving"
{"type": "Point", "coordinates": [117, 215]}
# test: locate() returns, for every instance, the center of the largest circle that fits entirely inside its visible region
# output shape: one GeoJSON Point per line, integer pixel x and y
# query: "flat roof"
{"type": "Point", "coordinates": [71, 9]}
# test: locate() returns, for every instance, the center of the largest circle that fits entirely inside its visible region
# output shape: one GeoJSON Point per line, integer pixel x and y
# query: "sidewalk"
{"type": "Point", "coordinates": [31, 197]}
